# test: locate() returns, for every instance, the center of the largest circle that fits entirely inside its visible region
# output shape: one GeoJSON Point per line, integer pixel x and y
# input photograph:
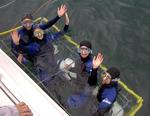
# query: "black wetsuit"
{"type": "Point", "coordinates": [84, 84]}
{"type": "Point", "coordinates": [44, 60]}
{"type": "Point", "coordinates": [86, 75]}
{"type": "Point", "coordinates": [26, 38]}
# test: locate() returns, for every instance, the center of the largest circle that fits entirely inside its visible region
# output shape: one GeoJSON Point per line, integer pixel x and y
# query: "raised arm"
{"type": "Point", "coordinates": [15, 37]}
{"type": "Point", "coordinates": [60, 12]}
{"type": "Point", "coordinates": [66, 23]}
{"type": "Point", "coordinates": [57, 35]}
{"type": "Point", "coordinates": [97, 60]}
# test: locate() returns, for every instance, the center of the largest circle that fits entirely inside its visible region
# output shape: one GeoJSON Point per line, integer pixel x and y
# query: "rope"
{"type": "Point", "coordinates": [7, 4]}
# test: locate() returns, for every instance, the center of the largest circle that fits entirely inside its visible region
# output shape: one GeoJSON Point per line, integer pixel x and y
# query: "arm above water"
{"type": "Point", "coordinates": [57, 35]}
{"type": "Point", "coordinates": [97, 61]}
{"type": "Point", "coordinates": [60, 12]}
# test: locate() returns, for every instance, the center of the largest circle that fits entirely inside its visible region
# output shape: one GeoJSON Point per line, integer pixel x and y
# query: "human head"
{"type": "Point", "coordinates": [27, 21]}
{"type": "Point", "coordinates": [38, 33]}
{"type": "Point", "coordinates": [85, 49]}
{"type": "Point", "coordinates": [111, 75]}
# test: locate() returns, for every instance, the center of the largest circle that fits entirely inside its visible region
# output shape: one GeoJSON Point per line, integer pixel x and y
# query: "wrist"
{"type": "Point", "coordinates": [17, 43]}
{"type": "Point", "coordinates": [95, 67]}
{"type": "Point", "coordinates": [59, 15]}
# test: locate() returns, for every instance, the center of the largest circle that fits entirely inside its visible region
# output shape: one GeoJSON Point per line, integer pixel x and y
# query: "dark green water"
{"type": "Point", "coordinates": [120, 29]}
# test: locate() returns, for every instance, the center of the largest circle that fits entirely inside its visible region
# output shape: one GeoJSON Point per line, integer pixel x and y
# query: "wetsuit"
{"type": "Point", "coordinates": [44, 60]}
{"type": "Point", "coordinates": [106, 96]}
{"type": "Point", "coordinates": [85, 82]}
{"type": "Point", "coordinates": [26, 38]}
{"type": "Point", "coordinates": [85, 72]}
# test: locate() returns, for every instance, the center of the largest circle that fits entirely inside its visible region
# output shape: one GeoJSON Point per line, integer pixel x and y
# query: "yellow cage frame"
{"type": "Point", "coordinates": [139, 100]}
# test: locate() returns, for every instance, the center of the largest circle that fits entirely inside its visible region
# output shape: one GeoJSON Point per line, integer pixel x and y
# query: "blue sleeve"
{"type": "Point", "coordinates": [31, 49]}
{"type": "Point", "coordinates": [57, 35]}
{"type": "Point", "coordinates": [54, 36]}
{"type": "Point", "coordinates": [50, 23]}
{"type": "Point", "coordinates": [14, 48]}
{"type": "Point", "coordinates": [108, 100]}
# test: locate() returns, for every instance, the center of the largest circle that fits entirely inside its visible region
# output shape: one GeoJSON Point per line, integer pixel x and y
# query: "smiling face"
{"type": "Point", "coordinates": [84, 51]}
{"type": "Point", "coordinates": [39, 33]}
{"type": "Point", "coordinates": [106, 78]}
{"type": "Point", "coordinates": [27, 24]}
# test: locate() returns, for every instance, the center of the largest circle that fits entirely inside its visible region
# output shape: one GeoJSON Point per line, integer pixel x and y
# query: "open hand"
{"type": "Point", "coordinates": [23, 109]}
{"type": "Point", "coordinates": [62, 10]}
{"type": "Point", "coordinates": [20, 58]}
{"type": "Point", "coordinates": [15, 37]}
{"type": "Point", "coordinates": [97, 60]}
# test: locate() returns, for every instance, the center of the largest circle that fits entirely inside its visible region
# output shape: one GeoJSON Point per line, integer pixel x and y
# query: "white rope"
{"type": "Point", "coordinates": [7, 4]}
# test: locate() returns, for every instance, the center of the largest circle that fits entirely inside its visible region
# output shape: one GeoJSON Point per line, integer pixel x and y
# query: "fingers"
{"type": "Point", "coordinates": [97, 60]}
{"type": "Point", "coordinates": [94, 58]}
{"type": "Point", "coordinates": [24, 109]}
{"type": "Point", "coordinates": [26, 114]}
{"type": "Point", "coordinates": [62, 10]}
{"type": "Point", "coordinates": [58, 9]}
{"type": "Point", "coordinates": [11, 34]}
{"type": "Point", "coordinates": [63, 6]}
{"type": "Point", "coordinates": [14, 33]}
{"type": "Point", "coordinates": [19, 59]}
{"type": "Point", "coordinates": [100, 56]}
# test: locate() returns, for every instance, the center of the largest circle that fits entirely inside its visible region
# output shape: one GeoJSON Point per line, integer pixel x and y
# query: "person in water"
{"type": "Point", "coordinates": [85, 68]}
{"type": "Point", "coordinates": [44, 60]}
{"type": "Point", "coordinates": [24, 36]}
{"type": "Point", "coordinates": [108, 91]}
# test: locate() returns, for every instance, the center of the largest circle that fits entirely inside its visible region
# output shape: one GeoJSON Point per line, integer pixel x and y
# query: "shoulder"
{"type": "Point", "coordinates": [21, 30]}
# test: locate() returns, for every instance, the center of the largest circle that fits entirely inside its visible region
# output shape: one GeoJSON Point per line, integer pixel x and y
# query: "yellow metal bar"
{"type": "Point", "coordinates": [135, 108]}
{"type": "Point", "coordinates": [69, 39]}
{"type": "Point", "coordinates": [139, 99]}
{"type": "Point", "coordinates": [6, 32]}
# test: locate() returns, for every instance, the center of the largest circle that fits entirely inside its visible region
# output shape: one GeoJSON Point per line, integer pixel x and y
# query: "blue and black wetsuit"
{"type": "Point", "coordinates": [86, 75]}
{"type": "Point", "coordinates": [44, 59]}
{"type": "Point", "coordinates": [26, 38]}
{"type": "Point", "coordinates": [106, 96]}
{"type": "Point", "coordinates": [86, 80]}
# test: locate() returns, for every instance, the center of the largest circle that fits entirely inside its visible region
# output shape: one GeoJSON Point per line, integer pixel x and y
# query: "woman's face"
{"type": "Point", "coordinates": [27, 23]}
{"type": "Point", "coordinates": [39, 33]}
{"type": "Point", "coordinates": [106, 78]}
{"type": "Point", "coordinates": [84, 51]}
